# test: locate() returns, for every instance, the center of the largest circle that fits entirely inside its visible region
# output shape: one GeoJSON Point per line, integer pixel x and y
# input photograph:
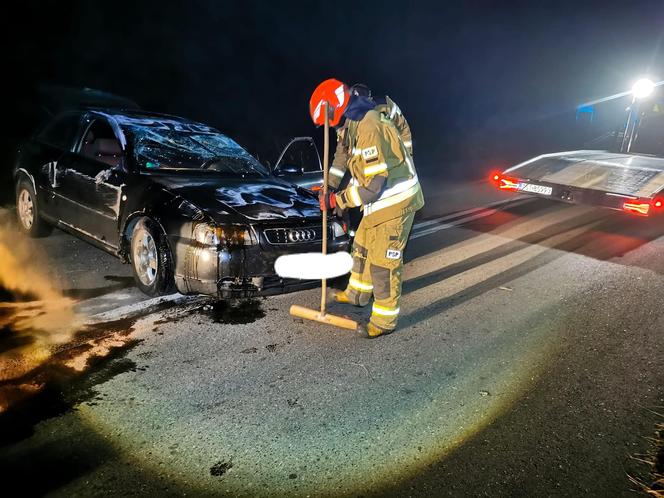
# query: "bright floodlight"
{"type": "Point", "coordinates": [643, 88]}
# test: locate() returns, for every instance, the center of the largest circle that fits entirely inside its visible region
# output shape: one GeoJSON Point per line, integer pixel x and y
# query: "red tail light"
{"type": "Point", "coordinates": [658, 203]}
{"type": "Point", "coordinates": [640, 208]}
{"type": "Point", "coordinates": [504, 182]}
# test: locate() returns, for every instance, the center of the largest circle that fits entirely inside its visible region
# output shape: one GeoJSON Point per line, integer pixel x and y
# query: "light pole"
{"type": "Point", "coordinates": [641, 90]}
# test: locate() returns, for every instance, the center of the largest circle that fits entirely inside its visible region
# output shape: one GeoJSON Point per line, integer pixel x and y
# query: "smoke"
{"type": "Point", "coordinates": [34, 315]}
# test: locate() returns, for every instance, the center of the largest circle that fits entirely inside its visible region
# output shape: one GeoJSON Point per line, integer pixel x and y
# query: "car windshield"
{"type": "Point", "coordinates": [176, 146]}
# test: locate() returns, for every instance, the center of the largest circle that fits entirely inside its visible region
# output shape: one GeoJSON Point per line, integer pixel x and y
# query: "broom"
{"type": "Point", "coordinates": [320, 315]}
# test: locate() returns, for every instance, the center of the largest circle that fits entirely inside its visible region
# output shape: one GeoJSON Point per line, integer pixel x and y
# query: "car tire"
{"type": "Point", "coordinates": [27, 211]}
{"type": "Point", "coordinates": [151, 258]}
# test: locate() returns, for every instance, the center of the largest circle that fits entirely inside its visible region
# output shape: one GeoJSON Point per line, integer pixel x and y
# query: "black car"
{"type": "Point", "coordinates": [184, 204]}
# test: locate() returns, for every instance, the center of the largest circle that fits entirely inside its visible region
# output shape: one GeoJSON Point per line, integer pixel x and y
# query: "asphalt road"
{"type": "Point", "coordinates": [529, 362]}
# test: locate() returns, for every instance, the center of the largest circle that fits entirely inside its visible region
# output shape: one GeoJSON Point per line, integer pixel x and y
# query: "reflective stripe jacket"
{"type": "Point", "coordinates": [341, 153]}
{"type": "Point", "coordinates": [384, 182]}
{"type": "Point", "coordinates": [391, 109]}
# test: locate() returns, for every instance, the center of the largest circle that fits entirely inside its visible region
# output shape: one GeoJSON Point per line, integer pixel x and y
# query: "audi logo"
{"type": "Point", "coordinates": [301, 235]}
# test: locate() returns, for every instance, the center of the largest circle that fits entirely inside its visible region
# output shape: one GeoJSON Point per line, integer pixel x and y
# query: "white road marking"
{"type": "Point", "coordinates": [135, 308]}
{"type": "Point", "coordinates": [458, 214]}
{"type": "Point", "coordinates": [485, 242]}
{"type": "Point", "coordinates": [485, 271]}
{"type": "Point", "coordinates": [445, 226]}
{"type": "Point", "coordinates": [481, 212]}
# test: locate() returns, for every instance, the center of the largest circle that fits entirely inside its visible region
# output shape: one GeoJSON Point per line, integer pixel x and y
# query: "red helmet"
{"type": "Point", "coordinates": [336, 94]}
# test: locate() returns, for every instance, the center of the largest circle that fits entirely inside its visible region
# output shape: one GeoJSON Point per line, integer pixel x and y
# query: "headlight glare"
{"type": "Point", "coordinates": [232, 235]}
{"type": "Point", "coordinates": [205, 234]}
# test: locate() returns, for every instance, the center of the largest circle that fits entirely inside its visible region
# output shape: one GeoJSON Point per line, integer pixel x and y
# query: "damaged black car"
{"type": "Point", "coordinates": [184, 204]}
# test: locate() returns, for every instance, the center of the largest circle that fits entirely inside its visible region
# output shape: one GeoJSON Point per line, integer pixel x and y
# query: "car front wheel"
{"type": "Point", "coordinates": [27, 211]}
{"type": "Point", "coordinates": [151, 258]}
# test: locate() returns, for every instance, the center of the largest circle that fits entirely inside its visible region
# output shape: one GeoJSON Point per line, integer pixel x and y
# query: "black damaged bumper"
{"type": "Point", "coordinates": [231, 272]}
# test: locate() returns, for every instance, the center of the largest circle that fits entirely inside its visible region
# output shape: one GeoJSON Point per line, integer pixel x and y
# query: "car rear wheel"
{"type": "Point", "coordinates": [151, 258]}
{"type": "Point", "coordinates": [27, 211]}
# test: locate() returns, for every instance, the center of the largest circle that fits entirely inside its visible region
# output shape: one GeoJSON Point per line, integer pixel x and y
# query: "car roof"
{"type": "Point", "coordinates": [138, 114]}
{"type": "Point", "coordinates": [125, 116]}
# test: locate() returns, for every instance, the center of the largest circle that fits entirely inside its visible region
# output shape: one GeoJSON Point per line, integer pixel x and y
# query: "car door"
{"type": "Point", "coordinates": [299, 163]}
{"type": "Point", "coordinates": [90, 180]}
{"type": "Point", "coordinates": [49, 144]}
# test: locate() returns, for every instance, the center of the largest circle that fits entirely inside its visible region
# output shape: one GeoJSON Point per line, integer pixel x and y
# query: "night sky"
{"type": "Point", "coordinates": [483, 83]}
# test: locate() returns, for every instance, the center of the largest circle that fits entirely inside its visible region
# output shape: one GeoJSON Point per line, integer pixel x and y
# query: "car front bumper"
{"type": "Point", "coordinates": [245, 271]}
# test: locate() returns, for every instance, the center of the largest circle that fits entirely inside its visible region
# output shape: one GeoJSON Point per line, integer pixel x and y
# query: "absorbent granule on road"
{"type": "Point", "coordinates": [35, 317]}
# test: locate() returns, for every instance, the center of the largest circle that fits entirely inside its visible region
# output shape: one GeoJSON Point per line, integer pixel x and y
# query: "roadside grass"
{"type": "Point", "coordinates": [655, 461]}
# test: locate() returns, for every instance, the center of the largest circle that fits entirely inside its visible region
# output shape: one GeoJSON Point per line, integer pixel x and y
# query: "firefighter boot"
{"type": "Point", "coordinates": [371, 331]}
{"type": "Point", "coordinates": [342, 297]}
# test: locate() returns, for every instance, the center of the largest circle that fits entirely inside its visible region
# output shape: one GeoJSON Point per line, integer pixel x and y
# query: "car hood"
{"type": "Point", "coordinates": [252, 200]}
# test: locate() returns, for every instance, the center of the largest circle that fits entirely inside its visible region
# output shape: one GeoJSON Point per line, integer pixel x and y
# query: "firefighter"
{"type": "Point", "coordinates": [384, 185]}
{"type": "Point", "coordinates": [383, 105]}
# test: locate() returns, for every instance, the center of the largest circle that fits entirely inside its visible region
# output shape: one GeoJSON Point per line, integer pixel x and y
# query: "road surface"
{"type": "Point", "coordinates": [529, 362]}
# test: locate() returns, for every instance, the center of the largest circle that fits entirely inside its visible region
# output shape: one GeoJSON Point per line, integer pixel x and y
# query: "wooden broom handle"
{"type": "Point", "coordinates": [326, 153]}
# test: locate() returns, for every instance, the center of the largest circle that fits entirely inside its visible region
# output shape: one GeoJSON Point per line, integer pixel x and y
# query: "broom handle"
{"type": "Point", "coordinates": [326, 153]}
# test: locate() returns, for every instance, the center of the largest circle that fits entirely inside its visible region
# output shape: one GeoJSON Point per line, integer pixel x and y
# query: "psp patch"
{"type": "Point", "coordinates": [393, 254]}
{"type": "Point", "coordinates": [370, 153]}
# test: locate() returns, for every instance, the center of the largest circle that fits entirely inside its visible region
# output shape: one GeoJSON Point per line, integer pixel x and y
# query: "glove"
{"type": "Point", "coordinates": [342, 214]}
{"type": "Point", "coordinates": [327, 202]}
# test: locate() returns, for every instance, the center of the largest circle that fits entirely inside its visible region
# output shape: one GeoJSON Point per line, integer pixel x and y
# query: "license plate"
{"type": "Point", "coordinates": [535, 189]}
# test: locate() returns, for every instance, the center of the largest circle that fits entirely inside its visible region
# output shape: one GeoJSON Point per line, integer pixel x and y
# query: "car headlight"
{"type": "Point", "coordinates": [205, 234]}
{"type": "Point", "coordinates": [338, 229]}
{"type": "Point", "coordinates": [232, 235]}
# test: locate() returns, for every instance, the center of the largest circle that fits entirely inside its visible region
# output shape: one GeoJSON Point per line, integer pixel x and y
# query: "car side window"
{"type": "Point", "coordinates": [61, 131]}
{"type": "Point", "coordinates": [101, 144]}
{"type": "Point", "coordinates": [300, 154]}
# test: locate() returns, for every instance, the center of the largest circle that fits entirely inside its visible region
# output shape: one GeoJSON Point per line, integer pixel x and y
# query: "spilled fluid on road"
{"type": "Point", "coordinates": [235, 312]}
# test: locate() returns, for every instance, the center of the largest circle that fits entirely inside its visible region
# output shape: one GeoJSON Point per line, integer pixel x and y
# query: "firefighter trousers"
{"type": "Point", "coordinates": [378, 267]}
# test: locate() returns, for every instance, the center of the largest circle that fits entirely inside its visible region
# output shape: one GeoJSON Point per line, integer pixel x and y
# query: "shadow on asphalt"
{"type": "Point", "coordinates": [608, 236]}
{"type": "Point", "coordinates": [615, 235]}
{"type": "Point", "coordinates": [120, 283]}
{"type": "Point", "coordinates": [41, 468]}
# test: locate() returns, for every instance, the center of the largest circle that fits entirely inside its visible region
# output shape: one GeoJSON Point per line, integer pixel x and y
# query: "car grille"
{"type": "Point", "coordinates": [298, 235]}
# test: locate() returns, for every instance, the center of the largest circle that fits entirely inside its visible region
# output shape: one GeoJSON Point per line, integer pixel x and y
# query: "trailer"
{"type": "Point", "coordinates": [629, 182]}
{"type": "Point", "coordinates": [629, 179]}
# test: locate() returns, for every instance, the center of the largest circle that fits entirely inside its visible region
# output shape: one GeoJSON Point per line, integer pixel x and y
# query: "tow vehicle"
{"type": "Point", "coordinates": [629, 178]}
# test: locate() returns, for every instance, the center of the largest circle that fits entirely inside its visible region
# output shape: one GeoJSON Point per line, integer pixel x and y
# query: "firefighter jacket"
{"type": "Point", "coordinates": [386, 107]}
{"type": "Point", "coordinates": [384, 182]}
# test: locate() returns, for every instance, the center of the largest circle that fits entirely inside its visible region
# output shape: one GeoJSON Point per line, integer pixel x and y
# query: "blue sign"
{"type": "Point", "coordinates": [585, 109]}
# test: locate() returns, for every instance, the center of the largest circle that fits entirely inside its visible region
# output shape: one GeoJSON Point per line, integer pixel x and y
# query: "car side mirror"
{"type": "Point", "coordinates": [289, 169]}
